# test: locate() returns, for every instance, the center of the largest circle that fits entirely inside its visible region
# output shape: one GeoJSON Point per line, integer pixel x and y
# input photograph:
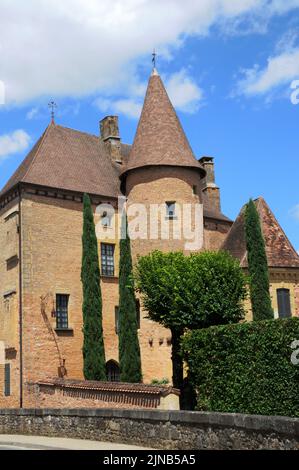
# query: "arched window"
{"type": "Point", "coordinates": [284, 304]}
{"type": "Point", "coordinates": [112, 371]}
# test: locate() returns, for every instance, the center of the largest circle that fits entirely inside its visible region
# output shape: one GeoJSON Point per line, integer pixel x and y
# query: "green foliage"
{"type": "Point", "coordinates": [245, 368]}
{"type": "Point", "coordinates": [93, 344]}
{"type": "Point", "coordinates": [197, 291]}
{"type": "Point", "coordinates": [163, 381]}
{"type": "Point", "coordinates": [190, 292]}
{"type": "Point", "coordinates": [257, 265]}
{"type": "Point", "coordinates": [129, 349]}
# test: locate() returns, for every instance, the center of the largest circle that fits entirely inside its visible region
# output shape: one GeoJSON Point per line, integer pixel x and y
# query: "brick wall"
{"type": "Point", "coordinates": [9, 299]}
{"type": "Point", "coordinates": [87, 394]}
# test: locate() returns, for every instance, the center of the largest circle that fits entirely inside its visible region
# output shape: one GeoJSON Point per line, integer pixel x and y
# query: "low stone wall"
{"type": "Point", "coordinates": [157, 429]}
{"type": "Point", "coordinates": [60, 393]}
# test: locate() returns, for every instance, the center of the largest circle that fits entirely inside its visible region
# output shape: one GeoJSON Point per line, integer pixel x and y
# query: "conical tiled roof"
{"type": "Point", "coordinates": [160, 139]}
{"type": "Point", "coordinates": [280, 252]}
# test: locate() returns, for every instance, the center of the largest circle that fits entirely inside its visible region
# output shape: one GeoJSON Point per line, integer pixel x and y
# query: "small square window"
{"type": "Point", "coordinates": [170, 209]}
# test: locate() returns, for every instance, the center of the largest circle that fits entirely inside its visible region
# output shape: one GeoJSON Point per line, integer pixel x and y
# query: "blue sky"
{"type": "Point", "coordinates": [227, 65]}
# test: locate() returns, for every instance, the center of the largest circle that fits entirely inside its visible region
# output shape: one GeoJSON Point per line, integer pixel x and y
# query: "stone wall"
{"type": "Point", "coordinates": [158, 429]}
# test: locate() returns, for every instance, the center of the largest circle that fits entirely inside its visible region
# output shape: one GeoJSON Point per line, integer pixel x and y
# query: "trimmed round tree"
{"type": "Point", "coordinates": [197, 291]}
{"type": "Point", "coordinates": [93, 343]}
{"type": "Point", "coordinates": [129, 349]}
{"type": "Point", "coordinates": [257, 265]}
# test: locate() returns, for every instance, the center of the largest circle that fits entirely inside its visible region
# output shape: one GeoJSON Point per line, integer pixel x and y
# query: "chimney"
{"type": "Point", "coordinates": [110, 136]}
{"type": "Point", "coordinates": [211, 192]}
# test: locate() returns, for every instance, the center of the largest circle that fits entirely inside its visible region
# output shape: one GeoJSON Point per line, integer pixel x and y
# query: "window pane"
{"type": "Point", "coordinates": [107, 259]}
{"type": "Point", "coordinates": [62, 301]}
{"type": "Point", "coordinates": [284, 304]}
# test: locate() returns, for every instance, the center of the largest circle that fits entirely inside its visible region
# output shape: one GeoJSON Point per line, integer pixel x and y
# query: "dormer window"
{"type": "Point", "coordinates": [170, 209]}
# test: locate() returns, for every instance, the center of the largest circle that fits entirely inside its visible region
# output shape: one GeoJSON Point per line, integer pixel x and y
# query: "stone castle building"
{"type": "Point", "coordinates": [40, 240]}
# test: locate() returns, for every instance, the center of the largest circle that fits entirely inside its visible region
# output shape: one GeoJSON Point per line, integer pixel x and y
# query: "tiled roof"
{"type": "Point", "coordinates": [280, 252]}
{"type": "Point", "coordinates": [216, 215]}
{"type": "Point", "coordinates": [68, 159]}
{"type": "Point", "coordinates": [111, 386]}
{"type": "Point", "coordinates": [160, 139]}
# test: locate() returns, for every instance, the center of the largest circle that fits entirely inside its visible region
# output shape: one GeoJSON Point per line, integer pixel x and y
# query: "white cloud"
{"type": "Point", "coordinates": [15, 142]}
{"type": "Point", "coordinates": [78, 47]}
{"type": "Point", "coordinates": [128, 107]}
{"type": "Point", "coordinates": [281, 69]}
{"type": "Point", "coordinates": [32, 113]}
{"type": "Point", "coordinates": [183, 92]}
{"type": "Point", "coordinates": [295, 212]}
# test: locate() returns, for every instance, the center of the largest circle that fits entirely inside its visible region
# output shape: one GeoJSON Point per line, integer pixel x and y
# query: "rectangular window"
{"type": "Point", "coordinates": [116, 313]}
{"type": "Point", "coordinates": [7, 380]}
{"type": "Point", "coordinates": [107, 259]}
{"type": "Point", "coordinates": [284, 304]}
{"type": "Point", "coordinates": [194, 189]}
{"type": "Point", "coordinates": [170, 209]}
{"type": "Point", "coordinates": [62, 302]}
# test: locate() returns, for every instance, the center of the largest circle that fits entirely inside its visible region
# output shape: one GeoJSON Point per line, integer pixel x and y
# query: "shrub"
{"type": "Point", "coordinates": [193, 291]}
{"type": "Point", "coordinates": [245, 368]}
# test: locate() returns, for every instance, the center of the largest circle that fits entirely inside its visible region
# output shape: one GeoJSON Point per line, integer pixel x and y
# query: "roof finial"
{"type": "Point", "coordinates": [154, 58]}
{"type": "Point", "coordinates": [52, 105]}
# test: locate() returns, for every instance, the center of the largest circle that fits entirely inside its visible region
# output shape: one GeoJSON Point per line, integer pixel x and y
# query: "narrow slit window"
{"type": "Point", "coordinates": [7, 380]}
{"type": "Point", "coordinates": [116, 314]}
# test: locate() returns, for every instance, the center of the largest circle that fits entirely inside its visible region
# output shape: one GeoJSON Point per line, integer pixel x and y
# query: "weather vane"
{"type": "Point", "coordinates": [154, 58]}
{"type": "Point", "coordinates": [52, 105]}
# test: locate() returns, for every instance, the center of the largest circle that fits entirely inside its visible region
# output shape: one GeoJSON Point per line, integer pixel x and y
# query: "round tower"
{"type": "Point", "coordinates": [162, 180]}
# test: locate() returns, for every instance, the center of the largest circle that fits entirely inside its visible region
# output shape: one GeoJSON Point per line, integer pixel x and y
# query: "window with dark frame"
{"type": "Point", "coordinates": [170, 209]}
{"type": "Point", "coordinates": [62, 303]}
{"type": "Point", "coordinates": [7, 380]}
{"type": "Point", "coordinates": [107, 259]}
{"type": "Point", "coordinates": [284, 303]}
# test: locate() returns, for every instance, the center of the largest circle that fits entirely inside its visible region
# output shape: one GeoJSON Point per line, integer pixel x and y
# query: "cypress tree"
{"type": "Point", "coordinates": [129, 349]}
{"type": "Point", "coordinates": [257, 265]}
{"type": "Point", "coordinates": [93, 344]}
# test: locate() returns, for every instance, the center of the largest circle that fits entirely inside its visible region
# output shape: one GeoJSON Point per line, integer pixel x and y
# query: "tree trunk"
{"type": "Point", "coordinates": [177, 360]}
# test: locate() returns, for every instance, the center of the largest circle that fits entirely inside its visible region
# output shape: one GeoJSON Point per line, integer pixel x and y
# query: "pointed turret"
{"type": "Point", "coordinates": [280, 253]}
{"type": "Point", "coordinates": [160, 139]}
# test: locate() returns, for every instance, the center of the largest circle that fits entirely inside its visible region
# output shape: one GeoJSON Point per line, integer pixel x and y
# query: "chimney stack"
{"type": "Point", "coordinates": [210, 191]}
{"type": "Point", "coordinates": [110, 136]}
